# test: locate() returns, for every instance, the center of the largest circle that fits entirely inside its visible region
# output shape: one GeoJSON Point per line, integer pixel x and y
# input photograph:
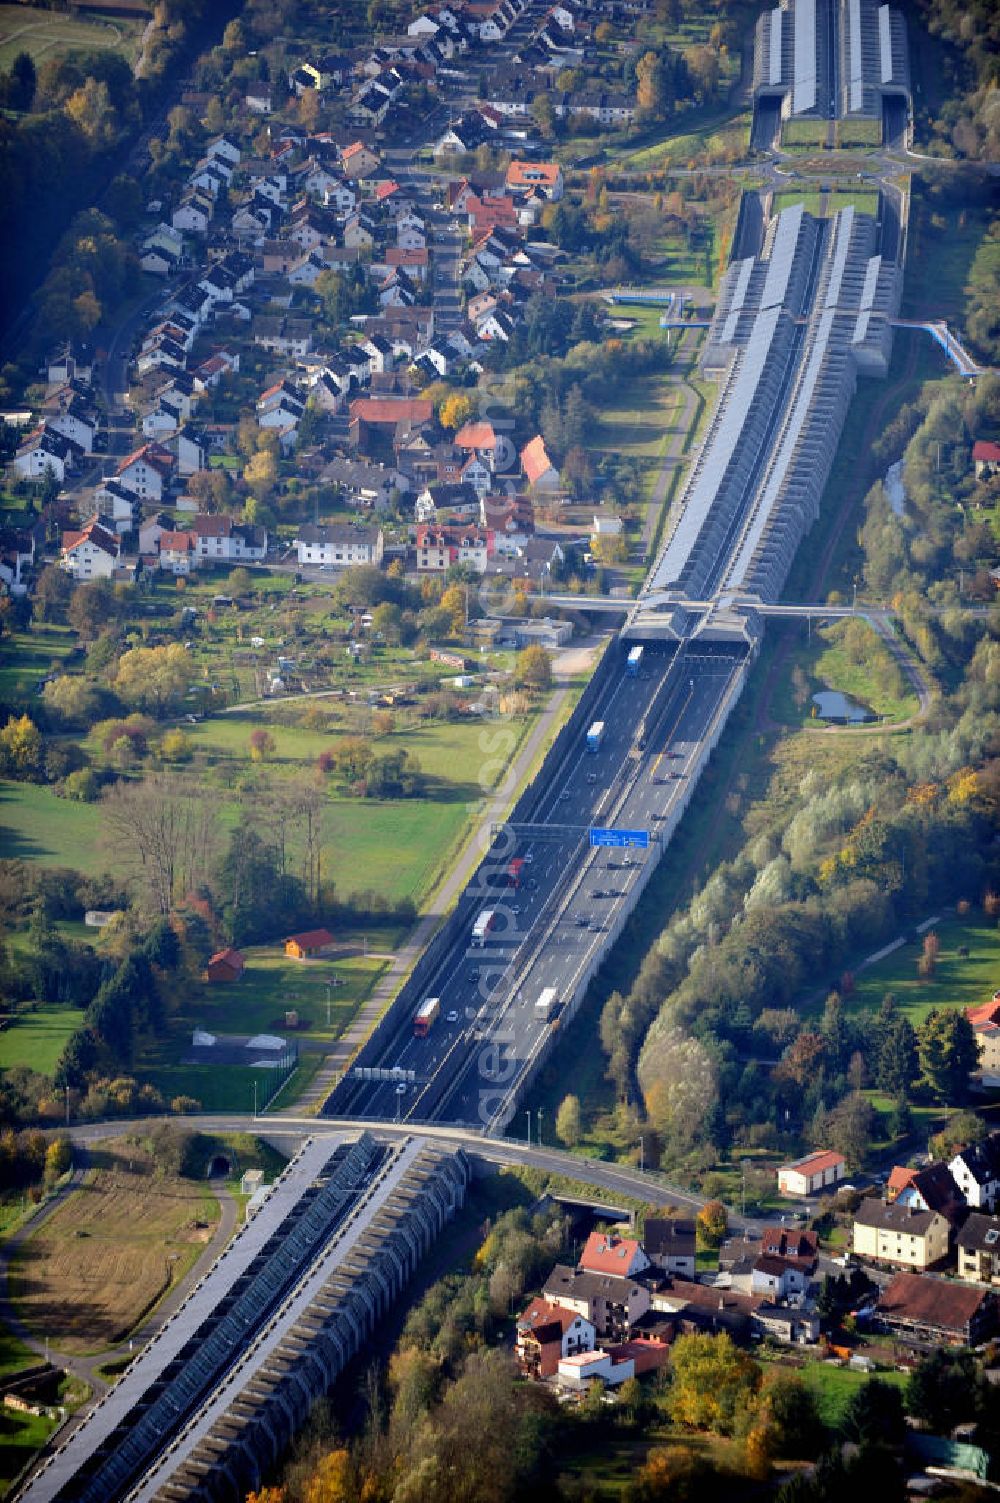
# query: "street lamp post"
{"type": "Point", "coordinates": [528, 1115]}
{"type": "Point", "coordinates": [329, 992]}
{"type": "Point", "coordinates": [539, 1133]}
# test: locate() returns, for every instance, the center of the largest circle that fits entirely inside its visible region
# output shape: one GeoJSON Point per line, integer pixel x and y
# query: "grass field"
{"type": "Point", "coordinates": [827, 203]}
{"type": "Point", "coordinates": [21, 1435]}
{"type": "Point", "coordinates": [834, 1386]}
{"type": "Point", "coordinates": [114, 1247]}
{"type": "Point", "coordinates": [804, 132]}
{"type": "Point", "coordinates": [272, 983]}
{"type": "Point", "coordinates": [47, 34]}
{"type": "Point", "coordinates": [827, 666]}
{"type": "Point", "coordinates": [858, 133]}
{"type": "Point", "coordinates": [711, 143]}
{"type": "Point", "coordinates": [26, 657]}
{"type": "Point", "coordinates": [958, 981]}
{"type": "Point", "coordinates": [38, 826]}
{"type": "Point", "coordinates": [36, 1039]}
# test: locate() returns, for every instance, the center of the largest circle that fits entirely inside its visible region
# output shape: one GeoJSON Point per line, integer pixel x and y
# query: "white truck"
{"type": "Point", "coordinates": [482, 926]}
{"type": "Point", "coordinates": [546, 1004]}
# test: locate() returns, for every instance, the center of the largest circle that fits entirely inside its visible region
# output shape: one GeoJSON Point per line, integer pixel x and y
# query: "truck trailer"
{"type": "Point", "coordinates": [482, 926]}
{"type": "Point", "coordinates": [546, 1005]}
{"type": "Point", "coordinates": [425, 1015]}
{"type": "Point", "coordinates": [634, 662]}
{"type": "Point", "coordinates": [595, 736]}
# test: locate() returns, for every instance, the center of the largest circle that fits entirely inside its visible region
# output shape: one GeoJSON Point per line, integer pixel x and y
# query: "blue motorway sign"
{"type": "Point", "coordinates": [636, 838]}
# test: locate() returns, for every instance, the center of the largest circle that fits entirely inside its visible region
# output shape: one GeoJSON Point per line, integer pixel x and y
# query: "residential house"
{"type": "Point", "coordinates": [545, 177]}
{"type": "Point", "coordinates": [790, 1324]}
{"type": "Point", "coordinates": [371, 485]}
{"type": "Point", "coordinates": [778, 1278]}
{"type": "Point", "coordinates": [45, 452]}
{"type": "Point", "coordinates": [900, 1234]}
{"type": "Point", "coordinates": [225, 965]}
{"type": "Point", "coordinates": [145, 471]}
{"type": "Point", "coordinates": [224, 149]}
{"type": "Point", "coordinates": [415, 263]}
{"type": "Point", "coordinates": [177, 551]}
{"type": "Point", "coordinates": [159, 261]}
{"type": "Point", "coordinates": [258, 98]}
{"type": "Point", "coordinates": [669, 1242]}
{"type": "Point", "coordinates": [312, 942]}
{"type": "Point", "coordinates": [92, 552]}
{"type": "Point", "coordinates": [546, 1333]}
{"type": "Point", "coordinates": [221, 540]}
{"type": "Point", "coordinates": [192, 451]}
{"type": "Point", "coordinates": [280, 405]}
{"type": "Point", "coordinates": [117, 503]}
{"type": "Point", "coordinates": [932, 1188]}
{"type": "Point", "coordinates": [608, 1252]}
{"type": "Point", "coordinates": [194, 213]}
{"type": "Point", "coordinates": [73, 361]}
{"type": "Point", "coordinates": [17, 554]}
{"type": "Point", "coordinates": [977, 1173]}
{"type": "Point", "coordinates": [611, 1303]}
{"type": "Point", "coordinates": [538, 469]}
{"type": "Point", "coordinates": [705, 1307]}
{"type": "Point", "coordinates": [69, 415]}
{"type": "Point", "coordinates": [439, 547]}
{"type": "Point", "coordinates": [456, 498]}
{"type": "Point", "coordinates": [985, 1020]}
{"type": "Point", "coordinates": [978, 1246]}
{"type": "Point", "coordinates": [986, 458]}
{"type": "Point", "coordinates": [581, 1369]}
{"type": "Point", "coordinates": [817, 1171]}
{"type": "Point", "coordinates": [360, 231]}
{"type": "Point", "coordinates": [930, 1311]}
{"type": "Point", "coordinates": [359, 161]}
{"type": "Point", "coordinates": [339, 545]}
{"type": "Point", "coordinates": [152, 530]}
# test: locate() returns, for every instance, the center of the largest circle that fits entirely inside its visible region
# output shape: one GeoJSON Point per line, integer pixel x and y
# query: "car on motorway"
{"type": "Point", "coordinates": [451, 1017]}
{"type": "Point", "coordinates": [565, 795]}
{"type": "Point", "coordinates": [401, 1088]}
{"type": "Point", "coordinates": [594, 928]}
{"type": "Point", "coordinates": [474, 974]}
{"type": "Point", "coordinates": [529, 858]}
{"type": "Point", "coordinates": [591, 777]}
{"type": "Point", "coordinates": [597, 892]}
{"type": "Point", "coordinates": [515, 908]}
{"type": "Point", "coordinates": [582, 922]}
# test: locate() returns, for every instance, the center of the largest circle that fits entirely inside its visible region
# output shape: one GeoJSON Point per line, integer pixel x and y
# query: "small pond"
{"type": "Point", "coordinates": [841, 708]}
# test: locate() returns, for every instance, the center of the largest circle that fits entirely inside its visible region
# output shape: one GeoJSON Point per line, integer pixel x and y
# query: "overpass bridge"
{"type": "Point", "coordinates": [939, 331]}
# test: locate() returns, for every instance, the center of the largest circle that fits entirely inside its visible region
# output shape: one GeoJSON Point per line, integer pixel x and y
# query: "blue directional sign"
{"type": "Point", "coordinates": [638, 839]}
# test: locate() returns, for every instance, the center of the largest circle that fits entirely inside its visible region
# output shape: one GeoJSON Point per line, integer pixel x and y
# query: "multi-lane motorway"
{"type": "Point", "coordinates": [550, 930]}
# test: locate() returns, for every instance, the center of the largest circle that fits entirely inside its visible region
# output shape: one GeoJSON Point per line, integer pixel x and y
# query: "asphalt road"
{"type": "Point", "coordinates": [550, 931]}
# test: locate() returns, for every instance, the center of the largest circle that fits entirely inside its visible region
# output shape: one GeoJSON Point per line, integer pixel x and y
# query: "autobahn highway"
{"type": "Point", "coordinates": [559, 922]}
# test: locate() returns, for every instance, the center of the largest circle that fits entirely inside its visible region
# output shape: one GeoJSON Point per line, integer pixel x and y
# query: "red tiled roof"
{"type": "Point", "coordinates": [607, 1253]}
{"type": "Point", "coordinates": [986, 1012]}
{"type": "Point", "coordinates": [936, 1302]}
{"type": "Point", "coordinates": [540, 1314]}
{"type": "Point", "coordinates": [154, 455]}
{"type": "Point", "coordinates": [535, 462]}
{"type": "Point", "coordinates": [527, 174]}
{"type": "Point", "coordinates": [312, 939]}
{"type": "Point", "coordinates": [228, 957]}
{"type": "Point", "coordinates": [985, 451]}
{"type": "Point", "coordinates": [900, 1177]}
{"type": "Point", "coordinates": [393, 409]}
{"type": "Point", "coordinates": [177, 542]}
{"type": "Point", "coordinates": [92, 533]}
{"type": "Point", "coordinates": [385, 189]}
{"type": "Point", "coordinates": [816, 1163]}
{"type": "Point", "coordinates": [475, 436]}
